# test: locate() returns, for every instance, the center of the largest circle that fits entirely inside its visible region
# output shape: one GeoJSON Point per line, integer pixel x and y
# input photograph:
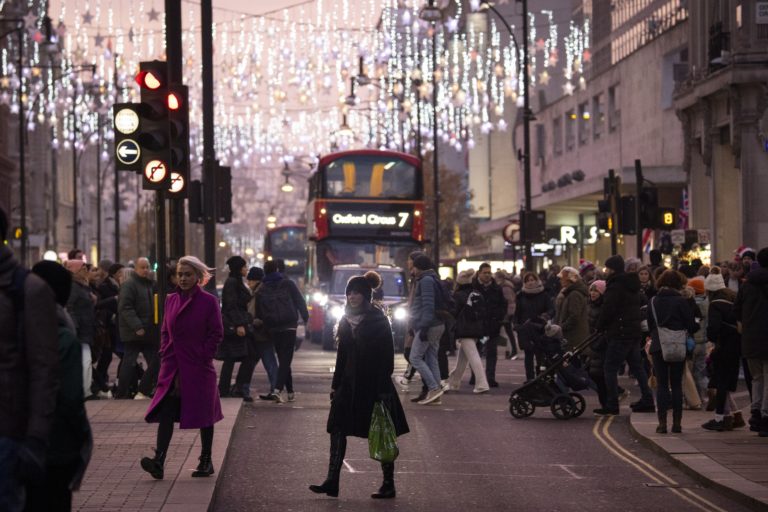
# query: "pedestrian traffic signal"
{"type": "Point", "coordinates": [649, 205]}
{"type": "Point", "coordinates": [604, 217]}
{"type": "Point", "coordinates": [177, 102]}
{"type": "Point", "coordinates": [154, 132]}
{"type": "Point", "coordinates": [667, 218]}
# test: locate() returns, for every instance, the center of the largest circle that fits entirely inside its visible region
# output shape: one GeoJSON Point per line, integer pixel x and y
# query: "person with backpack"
{"type": "Point", "coordinates": [29, 352]}
{"type": "Point", "coordinates": [279, 304]}
{"type": "Point", "coordinates": [469, 328]}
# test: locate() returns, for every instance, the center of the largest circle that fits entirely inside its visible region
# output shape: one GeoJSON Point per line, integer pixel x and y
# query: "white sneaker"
{"type": "Point", "coordinates": [433, 395]}
{"type": "Point", "coordinates": [278, 397]}
{"type": "Point", "coordinates": [479, 391]}
{"type": "Point", "coordinates": [404, 382]}
{"type": "Point", "coordinates": [104, 394]}
{"type": "Point", "coordinates": [445, 385]}
{"type": "Point", "coordinates": [291, 397]}
{"type": "Point", "coordinates": [140, 396]}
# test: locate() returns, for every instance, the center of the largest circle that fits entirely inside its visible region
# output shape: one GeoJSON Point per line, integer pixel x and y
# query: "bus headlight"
{"type": "Point", "coordinates": [320, 298]}
{"type": "Point", "coordinates": [337, 312]}
{"type": "Point", "coordinates": [400, 314]}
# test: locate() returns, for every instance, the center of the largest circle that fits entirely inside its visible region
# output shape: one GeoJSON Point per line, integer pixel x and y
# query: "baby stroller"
{"type": "Point", "coordinates": [557, 386]}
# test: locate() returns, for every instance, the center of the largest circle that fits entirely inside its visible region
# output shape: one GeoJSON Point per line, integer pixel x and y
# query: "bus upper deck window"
{"type": "Point", "coordinates": [377, 180]}
{"type": "Point", "coordinates": [349, 178]}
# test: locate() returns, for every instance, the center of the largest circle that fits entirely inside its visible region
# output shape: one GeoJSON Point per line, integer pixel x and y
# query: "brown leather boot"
{"type": "Point", "coordinates": [738, 420]}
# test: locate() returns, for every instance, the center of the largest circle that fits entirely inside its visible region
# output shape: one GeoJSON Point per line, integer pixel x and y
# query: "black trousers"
{"type": "Point", "coordinates": [669, 377]}
{"type": "Point", "coordinates": [128, 367]}
{"type": "Point", "coordinates": [284, 346]}
{"type": "Point", "coordinates": [52, 494]}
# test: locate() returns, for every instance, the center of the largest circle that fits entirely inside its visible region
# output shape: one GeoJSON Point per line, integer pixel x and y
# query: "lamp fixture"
{"type": "Point", "coordinates": [431, 13]}
{"type": "Point", "coordinates": [287, 186]}
{"type": "Point", "coordinates": [362, 77]}
{"type": "Point", "coordinates": [344, 130]}
{"type": "Point", "coordinates": [271, 217]}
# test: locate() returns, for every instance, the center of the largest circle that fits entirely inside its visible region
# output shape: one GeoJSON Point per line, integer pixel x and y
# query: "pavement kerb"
{"type": "Point", "coordinates": [189, 494]}
{"type": "Point", "coordinates": [711, 474]}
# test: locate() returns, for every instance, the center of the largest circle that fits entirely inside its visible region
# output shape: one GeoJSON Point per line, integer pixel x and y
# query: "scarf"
{"type": "Point", "coordinates": [533, 287]}
{"type": "Point", "coordinates": [354, 316]}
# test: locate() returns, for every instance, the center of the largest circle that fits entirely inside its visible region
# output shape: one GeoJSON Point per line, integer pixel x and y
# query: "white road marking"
{"type": "Point", "coordinates": [349, 467]}
{"type": "Point", "coordinates": [565, 468]}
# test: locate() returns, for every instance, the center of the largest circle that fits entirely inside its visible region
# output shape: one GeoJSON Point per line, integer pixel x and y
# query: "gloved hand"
{"type": "Point", "coordinates": [31, 460]}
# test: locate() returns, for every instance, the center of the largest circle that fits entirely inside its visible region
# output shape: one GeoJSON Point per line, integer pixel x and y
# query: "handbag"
{"type": "Point", "coordinates": [382, 438]}
{"type": "Point", "coordinates": [673, 342]}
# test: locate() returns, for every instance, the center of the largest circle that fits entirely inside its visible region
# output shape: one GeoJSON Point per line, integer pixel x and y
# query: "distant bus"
{"type": "Point", "coordinates": [289, 244]}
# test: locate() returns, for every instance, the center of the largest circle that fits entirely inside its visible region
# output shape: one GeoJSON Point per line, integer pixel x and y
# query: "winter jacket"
{"type": "Point", "coordinates": [29, 377]}
{"type": "Point", "coordinates": [702, 304]}
{"type": "Point", "coordinates": [673, 312]}
{"type": "Point", "coordinates": [508, 290]}
{"type": "Point", "coordinates": [620, 315]}
{"type": "Point", "coordinates": [752, 311]}
{"type": "Point", "coordinates": [722, 331]}
{"type": "Point", "coordinates": [530, 307]}
{"type": "Point", "coordinates": [135, 310]}
{"type": "Point", "coordinates": [109, 291]}
{"type": "Point", "coordinates": [363, 375]}
{"type": "Point", "coordinates": [80, 307]}
{"type": "Point", "coordinates": [572, 314]}
{"type": "Point", "coordinates": [467, 326]}
{"type": "Point", "coordinates": [595, 354]}
{"type": "Point", "coordinates": [495, 305]}
{"type": "Point", "coordinates": [425, 301]}
{"type": "Point", "coordinates": [274, 280]}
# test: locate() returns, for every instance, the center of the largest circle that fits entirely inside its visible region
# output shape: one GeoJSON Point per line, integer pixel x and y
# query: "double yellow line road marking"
{"type": "Point", "coordinates": [602, 434]}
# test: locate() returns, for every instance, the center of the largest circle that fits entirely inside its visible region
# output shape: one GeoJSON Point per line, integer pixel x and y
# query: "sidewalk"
{"type": "Point", "coordinates": [115, 481]}
{"type": "Point", "coordinates": [735, 462]}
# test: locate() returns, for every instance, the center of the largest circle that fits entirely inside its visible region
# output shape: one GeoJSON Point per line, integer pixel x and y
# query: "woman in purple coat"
{"type": "Point", "coordinates": [186, 388]}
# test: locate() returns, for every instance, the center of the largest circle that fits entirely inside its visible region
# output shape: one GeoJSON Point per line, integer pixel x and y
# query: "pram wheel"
{"type": "Point", "coordinates": [580, 403]}
{"type": "Point", "coordinates": [520, 408]}
{"type": "Point", "coordinates": [563, 407]}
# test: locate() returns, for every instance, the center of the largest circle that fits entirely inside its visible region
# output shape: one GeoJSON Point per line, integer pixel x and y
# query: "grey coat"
{"type": "Point", "coordinates": [573, 313]}
{"type": "Point", "coordinates": [80, 307]}
{"type": "Point", "coordinates": [135, 310]}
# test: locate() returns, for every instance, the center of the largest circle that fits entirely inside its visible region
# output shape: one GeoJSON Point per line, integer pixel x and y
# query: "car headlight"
{"type": "Point", "coordinates": [320, 298]}
{"type": "Point", "coordinates": [400, 313]}
{"type": "Point", "coordinates": [337, 312]}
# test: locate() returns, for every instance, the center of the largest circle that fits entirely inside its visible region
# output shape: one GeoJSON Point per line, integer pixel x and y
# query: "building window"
{"type": "Point", "coordinates": [614, 111]}
{"type": "Point", "coordinates": [584, 117]}
{"type": "Point", "coordinates": [557, 135]}
{"type": "Point", "coordinates": [541, 141]}
{"type": "Point", "coordinates": [598, 116]}
{"type": "Point", "coordinates": [570, 130]}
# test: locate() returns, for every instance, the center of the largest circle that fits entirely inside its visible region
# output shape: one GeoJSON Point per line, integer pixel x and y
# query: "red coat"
{"type": "Point", "coordinates": [191, 331]}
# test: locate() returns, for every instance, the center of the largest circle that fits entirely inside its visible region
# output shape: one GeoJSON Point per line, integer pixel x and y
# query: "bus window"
{"type": "Point", "coordinates": [371, 177]}
{"type": "Point", "coordinates": [349, 178]}
{"type": "Point", "coordinates": [377, 180]}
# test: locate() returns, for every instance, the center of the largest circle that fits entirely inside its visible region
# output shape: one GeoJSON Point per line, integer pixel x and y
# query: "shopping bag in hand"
{"type": "Point", "coordinates": [382, 439]}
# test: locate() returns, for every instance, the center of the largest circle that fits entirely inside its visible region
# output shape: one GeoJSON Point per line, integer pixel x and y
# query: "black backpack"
{"type": "Point", "coordinates": [444, 300]}
{"type": "Point", "coordinates": [276, 307]}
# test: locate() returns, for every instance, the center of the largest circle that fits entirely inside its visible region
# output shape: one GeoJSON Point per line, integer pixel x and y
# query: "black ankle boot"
{"type": "Point", "coordinates": [662, 428]}
{"type": "Point", "coordinates": [205, 468]}
{"type": "Point", "coordinates": [387, 489]}
{"type": "Point", "coordinates": [677, 421]}
{"type": "Point", "coordinates": [154, 466]}
{"type": "Point", "coordinates": [331, 485]}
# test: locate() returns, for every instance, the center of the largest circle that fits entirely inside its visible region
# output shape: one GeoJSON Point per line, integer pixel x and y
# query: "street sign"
{"type": "Point", "coordinates": [126, 121]}
{"type": "Point", "coordinates": [678, 236]}
{"type": "Point", "coordinates": [128, 151]}
{"type": "Point", "coordinates": [511, 232]}
{"type": "Point", "coordinates": [177, 182]}
{"type": "Point", "coordinates": [155, 171]}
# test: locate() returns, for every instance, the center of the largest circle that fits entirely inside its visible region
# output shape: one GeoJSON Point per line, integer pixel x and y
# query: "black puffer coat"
{"type": "Point", "coordinates": [234, 313]}
{"type": "Point", "coordinates": [752, 311]}
{"type": "Point", "coordinates": [363, 376]}
{"type": "Point", "coordinates": [466, 325]}
{"type": "Point", "coordinates": [620, 316]}
{"type": "Point", "coordinates": [721, 330]}
{"type": "Point", "coordinates": [673, 312]}
{"type": "Point", "coordinates": [531, 307]}
{"type": "Point", "coordinates": [495, 305]}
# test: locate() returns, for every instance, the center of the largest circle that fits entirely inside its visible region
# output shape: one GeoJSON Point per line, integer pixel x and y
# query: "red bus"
{"type": "Point", "coordinates": [288, 243]}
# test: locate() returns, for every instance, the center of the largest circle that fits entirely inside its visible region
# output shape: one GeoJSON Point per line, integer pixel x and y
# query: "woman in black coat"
{"type": "Point", "coordinates": [726, 356]}
{"type": "Point", "coordinates": [671, 310]}
{"type": "Point", "coordinates": [533, 305]}
{"type": "Point", "coordinates": [363, 376]}
{"type": "Point", "coordinates": [238, 329]}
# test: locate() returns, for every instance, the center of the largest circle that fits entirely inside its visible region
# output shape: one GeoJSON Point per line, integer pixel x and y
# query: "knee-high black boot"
{"type": "Point", "coordinates": [331, 484]}
{"type": "Point", "coordinates": [387, 489]}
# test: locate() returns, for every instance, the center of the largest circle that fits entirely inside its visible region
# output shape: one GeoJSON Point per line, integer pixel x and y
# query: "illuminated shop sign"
{"type": "Point", "coordinates": [569, 235]}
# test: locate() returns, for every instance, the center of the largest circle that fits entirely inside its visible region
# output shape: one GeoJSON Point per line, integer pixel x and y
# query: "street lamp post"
{"type": "Point", "coordinates": [527, 117]}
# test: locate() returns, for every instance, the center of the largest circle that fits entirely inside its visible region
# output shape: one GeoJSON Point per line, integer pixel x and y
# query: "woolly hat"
{"type": "Point", "coordinates": [255, 274]}
{"type": "Point", "coordinates": [745, 251]}
{"type": "Point", "coordinates": [598, 285]}
{"type": "Point", "coordinates": [713, 282]}
{"type": "Point", "coordinates": [423, 262]}
{"type": "Point", "coordinates": [585, 266]}
{"type": "Point", "coordinates": [105, 264]}
{"type": "Point", "coordinates": [615, 263]}
{"type": "Point", "coordinates": [236, 264]}
{"type": "Point", "coordinates": [571, 273]}
{"type": "Point", "coordinates": [364, 284]}
{"type": "Point", "coordinates": [465, 276]}
{"type": "Point", "coordinates": [74, 265]}
{"type": "Point", "coordinates": [57, 278]}
{"type": "Point", "coordinates": [115, 268]}
{"type": "Point", "coordinates": [697, 283]}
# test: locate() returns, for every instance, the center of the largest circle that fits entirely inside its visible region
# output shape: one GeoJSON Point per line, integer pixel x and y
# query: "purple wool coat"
{"type": "Point", "coordinates": [191, 331]}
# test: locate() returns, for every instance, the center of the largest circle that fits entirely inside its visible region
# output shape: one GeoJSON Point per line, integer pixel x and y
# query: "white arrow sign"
{"type": "Point", "coordinates": [128, 152]}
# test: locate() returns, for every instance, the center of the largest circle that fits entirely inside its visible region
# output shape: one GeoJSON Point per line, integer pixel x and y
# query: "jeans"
{"type": "Point", "coordinates": [263, 351]}
{"type": "Point", "coordinates": [759, 370]}
{"type": "Point", "coordinates": [424, 355]}
{"type": "Point", "coordinates": [128, 367]}
{"type": "Point", "coordinates": [616, 353]}
{"type": "Point", "coordinates": [699, 368]}
{"type": "Point", "coordinates": [87, 369]}
{"type": "Point", "coordinates": [668, 375]}
{"type": "Point", "coordinates": [468, 355]}
{"type": "Point", "coordinates": [11, 489]}
{"type": "Point", "coordinates": [284, 345]}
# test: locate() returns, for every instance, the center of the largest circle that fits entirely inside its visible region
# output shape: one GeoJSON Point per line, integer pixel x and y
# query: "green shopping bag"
{"type": "Point", "coordinates": [382, 439]}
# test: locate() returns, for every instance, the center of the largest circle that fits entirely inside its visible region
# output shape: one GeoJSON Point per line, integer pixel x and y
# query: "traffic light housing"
{"type": "Point", "coordinates": [195, 203]}
{"type": "Point", "coordinates": [627, 216]}
{"type": "Point", "coordinates": [666, 218]}
{"type": "Point", "coordinates": [177, 103]}
{"type": "Point", "coordinates": [223, 195]}
{"type": "Point", "coordinates": [154, 132]}
{"type": "Point", "coordinates": [649, 206]}
{"type": "Point", "coordinates": [604, 218]}
{"type": "Point", "coordinates": [534, 225]}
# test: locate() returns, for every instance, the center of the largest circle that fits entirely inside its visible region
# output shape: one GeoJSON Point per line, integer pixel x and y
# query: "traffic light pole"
{"type": "Point", "coordinates": [209, 152]}
{"type": "Point", "coordinates": [614, 197]}
{"type": "Point", "coordinates": [638, 192]}
{"type": "Point", "coordinates": [173, 51]}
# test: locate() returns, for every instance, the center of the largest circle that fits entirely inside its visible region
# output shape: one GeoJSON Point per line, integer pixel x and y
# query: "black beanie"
{"type": "Point", "coordinates": [236, 264]}
{"type": "Point", "coordinates": [57, 277]}
{"type": "Point", "coordinates": [255, 274]}
{"type": "Point", "coordinates": [615, 263]}
{"type": "Point", "coordinates": [115, 268]}
{"type": "Point", "coordinates": [364, 284]}
{"type": "Point", "coordinates": [422, 262]}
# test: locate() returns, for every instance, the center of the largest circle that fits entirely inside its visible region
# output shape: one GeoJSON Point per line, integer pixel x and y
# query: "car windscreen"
{"type": "Point", "coordinates": [394, 283]}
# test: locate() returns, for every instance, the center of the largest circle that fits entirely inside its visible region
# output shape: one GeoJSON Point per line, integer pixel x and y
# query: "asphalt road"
{"type": "Point", "coordinates": [467, 454]}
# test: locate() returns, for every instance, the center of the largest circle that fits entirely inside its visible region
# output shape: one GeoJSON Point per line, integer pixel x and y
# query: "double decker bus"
{"type": "Point", "coordinates": [366, 208]}
{"type": "Point", "coordinates": [288, 243]}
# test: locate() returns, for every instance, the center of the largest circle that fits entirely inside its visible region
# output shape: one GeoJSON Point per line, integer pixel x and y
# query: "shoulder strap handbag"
{"type": "Point", "coordinates": [673, 342]}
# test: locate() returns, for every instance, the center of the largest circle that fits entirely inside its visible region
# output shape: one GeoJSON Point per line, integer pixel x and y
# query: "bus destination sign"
{"type": "Point", "coordinates": [351, 219]}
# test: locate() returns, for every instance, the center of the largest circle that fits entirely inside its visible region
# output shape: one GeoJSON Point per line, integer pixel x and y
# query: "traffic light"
{"type": "Point", "coordinates": [195, 195]}
{"type": "Point", "coordinates": [604, 218]}
{"type": "Point", "coordinates": [223, 195]}
{"type": "Point", "coordinates": [534, 224]}
{"type": "Point", "coordinates": [666, 218]}
{"type": "Point", "coordinates": [177, 102]}
{"type": "Point", "coordinates": [127, 122]}
{"type": "Point", "coordinates": [154, 133]}
{"type": "Point", "coordinates": [627, 216]}
{"type": "Point", "coordinates": [649, 205]}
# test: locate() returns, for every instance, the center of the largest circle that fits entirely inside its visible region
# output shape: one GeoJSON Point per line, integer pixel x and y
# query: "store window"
{"type": "Point", "coordinates": [583, 120]}
{"type": "Point", "coordinates": [570, 130]}
{"type": "Point", "coordinates": [614, 110]}
{"type": "Point", "coordinates": [557, 135]}
{"type": "Point", "coordinates": [598, 116]}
